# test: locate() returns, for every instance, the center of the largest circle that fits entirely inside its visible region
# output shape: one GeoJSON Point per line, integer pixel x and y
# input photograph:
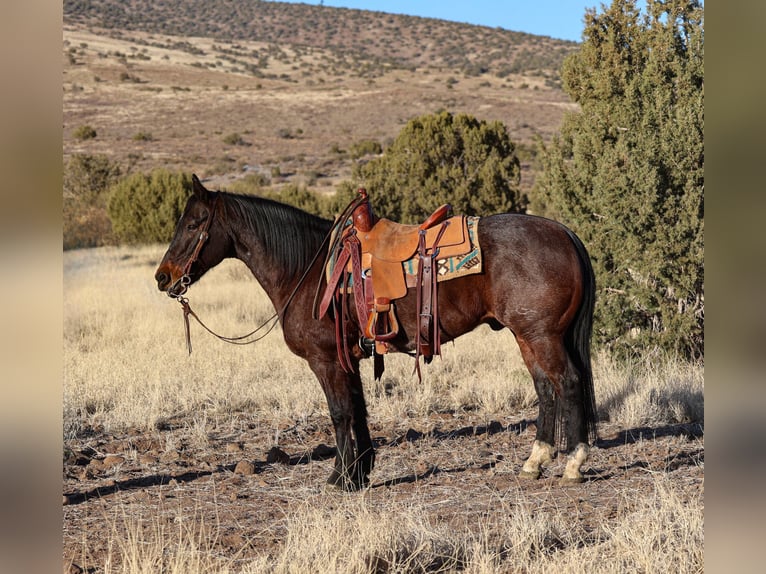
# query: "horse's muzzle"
{"type": "Point", "coordinates": [163, 280]}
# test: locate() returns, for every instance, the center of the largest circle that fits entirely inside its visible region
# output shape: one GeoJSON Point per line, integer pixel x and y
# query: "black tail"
{"type": "Point", "coordinates": [578, 338]}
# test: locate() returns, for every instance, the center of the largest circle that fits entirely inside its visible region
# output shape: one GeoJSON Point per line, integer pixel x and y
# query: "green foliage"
{"type": "Point", "coordinates": [445, 158]}
{"type": "Point", "coordinates": [627, 173]}
{"type": "Point", "coordinates": [85, 132]}
{"type": "Point", "coordinates": [88, 176]}
{"type": "Point", "coordinates": [145, 208]}
{"type": "Point", "coordinates": [300, 197]}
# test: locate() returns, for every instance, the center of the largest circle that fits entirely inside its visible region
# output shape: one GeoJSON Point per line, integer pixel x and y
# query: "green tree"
{"type": "Point", "coordinates": [444, 158]}
{"type": "Point", "coordinates": [145, 208]}
{"type": "Point", "coordinates": [627, 174]}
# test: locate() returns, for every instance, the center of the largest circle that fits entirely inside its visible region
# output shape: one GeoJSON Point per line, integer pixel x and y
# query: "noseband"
{"type": "Point", "coordinates": [183, 282]}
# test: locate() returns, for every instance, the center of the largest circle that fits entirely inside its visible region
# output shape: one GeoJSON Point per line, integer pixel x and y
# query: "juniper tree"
{"type": "Point", "coordinates": [144, 208]}
{"type": "Point", "coordinates": [444, 158]}
{"type": "Point", "coordinates": [626, 171]}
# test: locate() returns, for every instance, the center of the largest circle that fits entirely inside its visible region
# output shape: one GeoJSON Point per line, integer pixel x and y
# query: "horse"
{"type": "Point", "coordinates": [537, 281]}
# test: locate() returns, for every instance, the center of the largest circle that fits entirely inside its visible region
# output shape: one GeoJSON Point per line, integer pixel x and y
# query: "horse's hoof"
{"type": "Point", "coordinates": [570, 480]}
{"type": "Point", "coordinates": [338, 482]}
{"type": "Point", "coordinates": [529, 474]}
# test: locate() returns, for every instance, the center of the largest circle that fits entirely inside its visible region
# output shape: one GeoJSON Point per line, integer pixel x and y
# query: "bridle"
{"type": "Point", "coordinates": [184, 280]}
{"type": "Point", "coordinates": [181, 285]}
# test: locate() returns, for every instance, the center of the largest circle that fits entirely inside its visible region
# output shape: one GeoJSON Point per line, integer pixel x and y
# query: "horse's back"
{"type": "Point", "coordinates": [528, 244]}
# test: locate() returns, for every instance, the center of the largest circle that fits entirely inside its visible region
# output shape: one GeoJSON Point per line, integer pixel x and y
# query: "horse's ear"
{"type": "Point", "coordinates": [199, 189]}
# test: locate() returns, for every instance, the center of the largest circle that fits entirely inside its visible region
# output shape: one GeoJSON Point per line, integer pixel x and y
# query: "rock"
{"type": "Point", "coordinates": [276, 454]}
{"type": "Point", "coordinates": [423, 467]}
{"type": "Point", "coordinates": [113, 460]}
{"type": "Point", "coordinates": [234, 447]}
{"type": "Point", "coordinates": [322, 451]}
{"type": "Point", "coordinates": [73, 568]}
{"type": "Point", "coordinates": [234, 541]}
{"type": "Point", "coordinates": [147, 459]}
{"type": "Point", "coordinates": [244, 467]}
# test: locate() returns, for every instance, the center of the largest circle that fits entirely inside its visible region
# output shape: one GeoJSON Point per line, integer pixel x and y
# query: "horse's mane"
{"type": "Point", "coordinates": [289, 235]}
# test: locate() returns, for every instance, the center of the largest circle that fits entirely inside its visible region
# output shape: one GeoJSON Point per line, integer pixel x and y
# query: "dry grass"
{"type": "Point", "coordinates": [660, 532]}
{"type": "Point", "coordinates": [127, 371]}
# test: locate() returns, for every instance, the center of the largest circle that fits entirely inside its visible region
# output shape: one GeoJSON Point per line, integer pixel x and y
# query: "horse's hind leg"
{"type": "Point", "coordinates": [559, 391]}
{"type": "Point", "coordinates": [543, 450]}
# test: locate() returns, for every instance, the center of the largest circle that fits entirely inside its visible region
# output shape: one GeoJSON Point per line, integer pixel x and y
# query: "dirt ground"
{"type": "Point", "coordinates": [449, 462]}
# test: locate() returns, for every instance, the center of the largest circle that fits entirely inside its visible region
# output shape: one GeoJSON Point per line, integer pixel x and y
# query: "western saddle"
{"type": "Point", "coordinates": [366, 260]}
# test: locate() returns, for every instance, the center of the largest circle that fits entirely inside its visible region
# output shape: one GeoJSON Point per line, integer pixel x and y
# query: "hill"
{"type": "Point", "coordinates": [385, 39]}
{"type": "Point", "coordinates": [287, 92]}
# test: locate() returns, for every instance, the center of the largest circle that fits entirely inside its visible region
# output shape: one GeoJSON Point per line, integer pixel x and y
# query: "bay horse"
{"type": "Point", "coordinates": [537, 281]}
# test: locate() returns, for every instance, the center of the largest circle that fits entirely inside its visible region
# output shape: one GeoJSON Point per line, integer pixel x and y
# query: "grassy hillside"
{"type": "Point", "coordinates": [386, 40]}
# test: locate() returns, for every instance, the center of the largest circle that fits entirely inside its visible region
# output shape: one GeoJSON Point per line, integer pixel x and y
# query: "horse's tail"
{"type": "Point", "coordinates": [578, 336]}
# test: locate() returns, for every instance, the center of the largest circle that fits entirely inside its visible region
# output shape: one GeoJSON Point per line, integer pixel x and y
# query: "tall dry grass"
{"type": "Point", "coordinates": [659, 533]}
{"type": "Point", "coordinates": [126, 366]}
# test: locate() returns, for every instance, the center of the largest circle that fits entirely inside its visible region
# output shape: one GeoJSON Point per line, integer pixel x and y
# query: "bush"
{"type": "Point", "coordinates": [145, 208]}
{"type": "Point", "coordinates": [85, 132]}
{"type": "Point", "coordinates": [87, 178]}
{"type": "Point", "coordinates": [365, 147]}
{"type": "Point", "coordinates": [445, 158]}
{"type": "Point", "coordinates": [299, 197]}
{"type": "Point", "coordinates": [234, 139]}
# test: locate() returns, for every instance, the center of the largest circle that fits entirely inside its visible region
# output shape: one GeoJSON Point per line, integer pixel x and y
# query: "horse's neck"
{"type": "Point", "coordinates": [253, 254]}
{"type": "Point", "coordinates": [270, 273]}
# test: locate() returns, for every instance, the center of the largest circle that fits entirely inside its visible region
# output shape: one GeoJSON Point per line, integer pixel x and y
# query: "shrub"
{"type": "Point", "coordinates": [234, 139]}
{"type": "Point", "coordinates": [85, 132]}
{"type": "Point", "coordinates": [88, 176]}
{"type": "Point", "coordinates": [144, 208]}
{"type": "Point", "coordinates": [365, 147]}
{"type": "Point", "coordinates": [251, 184]}
{"type": "Point", "coordinates": [299, 197]}
{"type": "Point", "coordinates": [86, 181]}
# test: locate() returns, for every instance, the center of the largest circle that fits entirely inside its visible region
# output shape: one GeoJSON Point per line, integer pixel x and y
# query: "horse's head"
{"type": "Point", "coordinates": [199, 242]}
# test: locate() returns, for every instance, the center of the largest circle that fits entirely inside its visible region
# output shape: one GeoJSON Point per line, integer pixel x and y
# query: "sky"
{"type": "Point", "coordinates": [561, 19]}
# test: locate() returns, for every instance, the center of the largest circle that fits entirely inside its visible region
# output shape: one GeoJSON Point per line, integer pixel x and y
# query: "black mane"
{"type": "Point", "coordinates": [289, 235]}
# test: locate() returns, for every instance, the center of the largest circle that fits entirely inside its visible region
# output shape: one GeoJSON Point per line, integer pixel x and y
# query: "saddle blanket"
{"type": "Point", "coordinates": [448, 268]}
{"type": "Point", "coordinates": [453, 267]}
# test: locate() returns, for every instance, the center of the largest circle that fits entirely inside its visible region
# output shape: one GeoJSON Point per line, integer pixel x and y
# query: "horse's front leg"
{"type": "Point", "coordinates": [348, 412]}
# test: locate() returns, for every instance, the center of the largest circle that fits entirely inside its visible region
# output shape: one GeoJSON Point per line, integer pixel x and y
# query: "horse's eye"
{"type": "Point", "coordinates": [192, 226]}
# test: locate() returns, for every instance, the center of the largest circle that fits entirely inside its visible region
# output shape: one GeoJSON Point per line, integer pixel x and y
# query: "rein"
{"type": "Point", "coordinates": [185, 280]}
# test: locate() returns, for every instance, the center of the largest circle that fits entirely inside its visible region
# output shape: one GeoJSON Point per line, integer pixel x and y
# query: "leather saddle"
{"type": "Point", "coordinates": [366, 263]}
